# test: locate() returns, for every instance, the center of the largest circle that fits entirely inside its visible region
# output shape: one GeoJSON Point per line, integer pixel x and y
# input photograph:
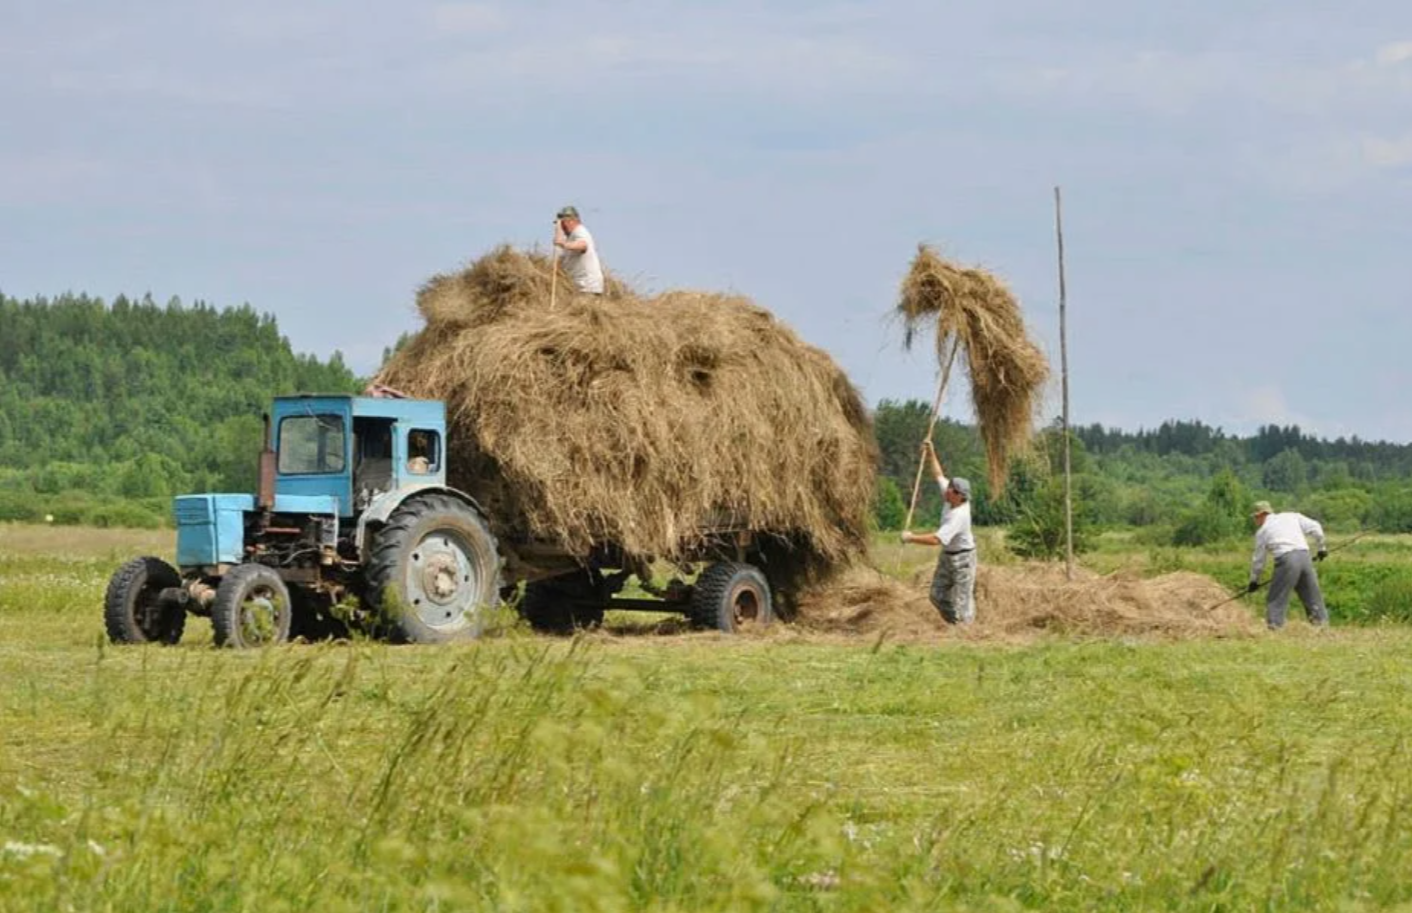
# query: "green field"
{"type": "Point", "coordinates": [695, 772]}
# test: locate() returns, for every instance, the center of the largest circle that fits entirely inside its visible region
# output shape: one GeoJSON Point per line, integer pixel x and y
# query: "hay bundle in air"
{"type": "Point", "coordinates": [637, 421]}
{"type": "Point", "coordinates": [1007, 371]}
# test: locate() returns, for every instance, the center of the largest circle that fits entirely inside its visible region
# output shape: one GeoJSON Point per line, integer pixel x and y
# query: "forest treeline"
{"type": "Point", "coordinates": [1182, 483]}
{"type": "Point", "coordinates": [108, 409]}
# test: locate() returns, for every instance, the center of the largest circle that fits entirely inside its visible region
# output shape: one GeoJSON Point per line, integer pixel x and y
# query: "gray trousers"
{"type": "Point", "coordinates": [1294, 571]}
{"type": "Point", "coordinates": [953, 589]}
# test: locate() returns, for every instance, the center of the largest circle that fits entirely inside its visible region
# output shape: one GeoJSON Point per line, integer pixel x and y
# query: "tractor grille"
{"type": "Point", "coordinates": [193, 511]}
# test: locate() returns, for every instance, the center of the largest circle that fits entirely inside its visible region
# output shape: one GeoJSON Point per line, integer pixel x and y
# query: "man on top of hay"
{"type": "Point", "coordinates": [953, 589]}
{"type": "Point", "coordinates": [580, 256]}
{"type": "Point", "coordinates": [1282, 535]}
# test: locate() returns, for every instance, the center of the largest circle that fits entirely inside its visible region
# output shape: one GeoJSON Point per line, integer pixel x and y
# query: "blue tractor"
{"type": "Point", "coordinates": [353, 523]}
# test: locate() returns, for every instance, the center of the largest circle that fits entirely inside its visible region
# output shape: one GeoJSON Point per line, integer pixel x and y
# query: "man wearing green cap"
{"type": "Point", "coordinates": [953, 590]}
{"type": "Point", "coordinates": [1282, 536]}
{"type": "Point", "coordinates": [580, 257]}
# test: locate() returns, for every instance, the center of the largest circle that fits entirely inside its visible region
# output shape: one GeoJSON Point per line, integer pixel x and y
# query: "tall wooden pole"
{"type": "Point", "coordinates": [1064, 372]}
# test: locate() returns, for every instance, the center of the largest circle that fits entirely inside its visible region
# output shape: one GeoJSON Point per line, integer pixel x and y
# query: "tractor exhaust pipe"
{"type": "Point", "coordinates": [265, 497]}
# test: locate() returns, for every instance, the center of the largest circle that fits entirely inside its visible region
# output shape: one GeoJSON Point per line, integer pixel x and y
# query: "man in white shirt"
{"type": "Point", "coordinates": [580, 254]}
{"type": "Point", "coordinates": [953, 590]}
{"type": "Point", "coordinates": [1282, 537]}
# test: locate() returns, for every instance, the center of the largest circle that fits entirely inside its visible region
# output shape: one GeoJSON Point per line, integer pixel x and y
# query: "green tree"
{"type": "Point", "coordinates": [1220, 517]}
{"type": "Point", "coordinates": [139, 400]}
{"type": "Point", "coordinates": [889, 513]}
{"type": "Point", "coordinates": [1344, 507]}
{"type": "Point", "coordinates": [1040, 530]}
{"type": "Point", "coordinates": [899, 428]}
{"type": "Point", "coordinates": [1287, 472]}
{"type": "Point", "coordinates": [1391, 511]}
{"type": "Point", "coordinates": [1227, 496]}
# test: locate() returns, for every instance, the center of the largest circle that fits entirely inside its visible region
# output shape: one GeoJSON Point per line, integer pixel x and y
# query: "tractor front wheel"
{"type": "Point", "coordinates": [252, 608]}
{"type": "Point", "coordinates": [434, 571]}
{"type": "Point", "coordinates": [133, 610]}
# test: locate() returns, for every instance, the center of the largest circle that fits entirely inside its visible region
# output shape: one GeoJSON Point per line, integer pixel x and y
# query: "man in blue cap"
{"type": "Point", "coordinates": [953, 590]}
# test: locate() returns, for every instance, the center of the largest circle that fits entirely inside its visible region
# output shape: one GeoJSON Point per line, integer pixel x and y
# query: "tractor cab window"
{"type": "Point", "coordinates": [311, 444]}
{"type": "Point", "coordinates": [373, 471]}
{"type": "Point", "coordinates": [423, 451]}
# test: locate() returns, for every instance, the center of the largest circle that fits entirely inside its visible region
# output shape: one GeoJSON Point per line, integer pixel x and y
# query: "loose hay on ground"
{"type": "Point", "coordinates": [1026, 600]}
{"type": "Point", "coordinates": [1007, 371]}
{"type": "Point", "coordinates": [636, 422]}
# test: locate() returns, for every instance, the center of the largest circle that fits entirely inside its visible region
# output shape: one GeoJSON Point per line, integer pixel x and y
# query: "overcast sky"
{"type": "Point", "coordinates": [1237, 177]}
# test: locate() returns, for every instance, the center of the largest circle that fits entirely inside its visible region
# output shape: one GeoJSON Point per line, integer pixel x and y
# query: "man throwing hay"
{"type": "Point", "coordinates": [1282, 536]}
{"type": "Point", "coordinates": [953, 589]}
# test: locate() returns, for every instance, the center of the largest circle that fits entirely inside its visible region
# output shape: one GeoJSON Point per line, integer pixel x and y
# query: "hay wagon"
{"type": "Point", "coordinates": [731, 589]}
{"type": "Point", "coordinates": [354, 525]}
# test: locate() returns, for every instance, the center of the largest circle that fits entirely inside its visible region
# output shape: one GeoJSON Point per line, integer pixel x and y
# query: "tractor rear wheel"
{"type": "Point", "coordinates": [133, 611]}
{"type": "Point", "coordinates": [252, 608]}
{"type": "Point", "coordinates": [434, 571]}
{"type": "Point", "coordinates": [731, 597]}
{"type": "Point", "coordinates": [558, 605]}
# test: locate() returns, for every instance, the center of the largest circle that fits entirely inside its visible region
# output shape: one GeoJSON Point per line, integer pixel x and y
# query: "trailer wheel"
{"type": "Point", "coordinates": [731, 597]}
{"type": "Point", "coordinates": [556, 605]}
{"type": "Point", "coordinates": [133, 611]}
{"type": "Point", "coordinates": [252, 608]}
{"type": "Point", "coordinates": [434, 571]}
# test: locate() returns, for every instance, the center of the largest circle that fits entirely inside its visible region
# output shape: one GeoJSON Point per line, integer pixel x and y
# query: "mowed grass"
{"type": "Point", "coordinates": [689, 773]}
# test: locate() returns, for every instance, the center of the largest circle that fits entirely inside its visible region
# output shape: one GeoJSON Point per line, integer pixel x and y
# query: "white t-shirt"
{"type": "Point", "coordinates": [955, 529]}
{"type": "Point", "coordinates": [1281, 534]}
{"type": "Point", "coordinates": [583, 268]}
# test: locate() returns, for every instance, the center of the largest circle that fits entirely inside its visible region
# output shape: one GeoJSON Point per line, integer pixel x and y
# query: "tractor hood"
{"type": "Point", "coordinates": [211, 527]}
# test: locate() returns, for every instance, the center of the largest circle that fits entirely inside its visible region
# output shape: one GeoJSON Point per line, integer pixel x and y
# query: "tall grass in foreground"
{"type": "Point", "coordinates": [694, 773]}
{"type": "Point", "coordinates": [709, 777]}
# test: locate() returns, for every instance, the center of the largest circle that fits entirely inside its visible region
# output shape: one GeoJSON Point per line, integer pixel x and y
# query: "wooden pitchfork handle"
{"type": "Point", "coordinates": [931, 426]}
{"type": "Point", "coordinates": [553, 271]}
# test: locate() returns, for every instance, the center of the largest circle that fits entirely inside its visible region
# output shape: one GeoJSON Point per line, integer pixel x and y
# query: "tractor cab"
{"type": "Point", "coordinates": [355, 448]}
{"type": "Point", "coordinates": [330, 464]}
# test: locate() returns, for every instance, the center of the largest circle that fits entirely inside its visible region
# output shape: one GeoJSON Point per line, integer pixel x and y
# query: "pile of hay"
{"type": "Point", "coordinates": [1025, 600]}
{"type": "Point", "coordinates": [1007, 371]}
{"type": "Point", "coordinates": [635, 422]}
{"type": "Point", "coordinates": [1037, 597]}
{"type": "Point", "coordinates": [864, 601]}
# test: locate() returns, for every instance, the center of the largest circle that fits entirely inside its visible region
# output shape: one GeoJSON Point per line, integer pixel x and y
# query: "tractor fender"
{"type": "Point", "coordinates": [384, 504]}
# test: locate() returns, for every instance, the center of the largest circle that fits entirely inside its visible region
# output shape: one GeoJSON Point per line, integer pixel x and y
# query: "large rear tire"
{"type": "Point", "coordinates": [732, 597]}
{"type": "Point", "coordinates": [434, 571]}
{"type": "Point", "coordinates": [132, 611]}
{"type": "Point", "coordinates": [252, 608]}
{"type": "Point", "coordinates": [558, 605]}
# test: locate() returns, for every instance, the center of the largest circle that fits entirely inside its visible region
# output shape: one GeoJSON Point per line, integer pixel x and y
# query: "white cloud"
{"type": "Point", "coordinates": [1313, 162]}
{"type": "Point", "coordinates": [468, 18]}
{"type": "Point", "coordinates": [1388, 153]}
{"type": "Point", "coordinates": [141, 79]}
{"type": "Point", "coordinates": [1390, 55]}
{"type": "Point", "coordinates": [1267, 405]}
{"type": "Point", "coordinates": [51, 177]}
{"type": "Point", "coordinates": [642, 58]}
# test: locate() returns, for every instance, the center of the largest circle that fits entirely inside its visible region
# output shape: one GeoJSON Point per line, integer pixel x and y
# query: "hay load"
{"type": "Point", "coordinates": [638, 422]}
{"type": "Point", "coordinates": [977, 316]}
